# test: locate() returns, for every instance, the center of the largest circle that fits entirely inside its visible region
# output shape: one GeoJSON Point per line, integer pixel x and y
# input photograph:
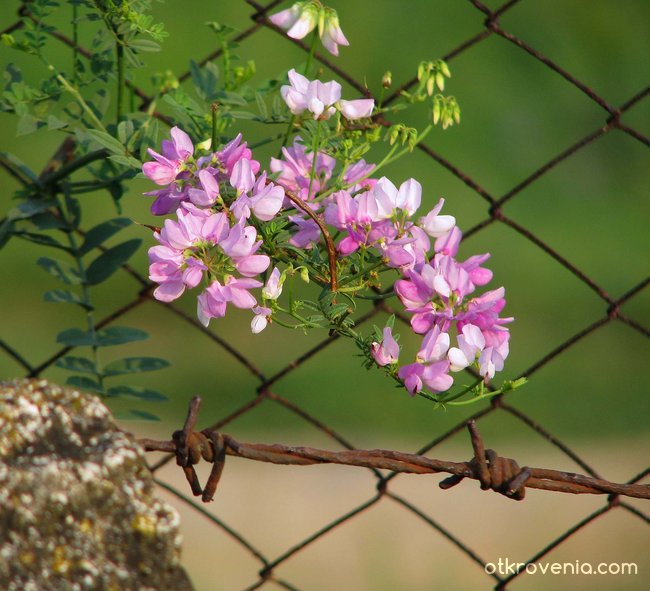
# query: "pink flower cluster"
{"type": "Point", "coordinates": [294, 171]}
{"type": "Point", "coordinates": [303, 17]}
{"type": "Point", "coordinates": [322, 99]}
{"type": "Point", "coordinates": [435, 293]}
{"type": "Point", "coordinates": [435, 287]}
{"type": "Point", "coordinates": [209, 240]}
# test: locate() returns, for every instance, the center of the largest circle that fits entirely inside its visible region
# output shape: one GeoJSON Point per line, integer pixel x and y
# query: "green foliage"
{"type": "Point", "coordinates": [110, 261]}
{"type": "Point", "coordinates": [90, 101]}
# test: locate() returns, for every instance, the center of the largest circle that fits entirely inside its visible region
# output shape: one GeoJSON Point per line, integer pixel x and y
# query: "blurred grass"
{"type": "Point", "coordinates": [517, 114]}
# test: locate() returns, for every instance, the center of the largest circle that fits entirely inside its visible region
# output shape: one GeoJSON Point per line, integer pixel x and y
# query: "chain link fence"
{"type": "Point", "coordinates": [496, 214]}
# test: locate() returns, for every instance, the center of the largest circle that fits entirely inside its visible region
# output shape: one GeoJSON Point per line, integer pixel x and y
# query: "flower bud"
{"type": "Point", "coordinates": [440, 81]}
{"type": "Point", "coordinates": [430, 86]}
{"type": "Point", "coordinates": [387, 79]}
{"type": "Point", "coordinates": [273, 287]}
{"type": "Point", "coordinates": [436, 112]}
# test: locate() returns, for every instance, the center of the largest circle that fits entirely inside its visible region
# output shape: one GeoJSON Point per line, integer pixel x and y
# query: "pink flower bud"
{"type": "Point", "coordinates": [386, 352]}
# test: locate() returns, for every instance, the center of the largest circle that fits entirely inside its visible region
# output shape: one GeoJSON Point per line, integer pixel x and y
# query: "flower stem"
{"type": "Point", "coordinates": [310, 59]}
{"type": "Point", "coordinates": [214, 107]}
{"type": "Point", "coordinates": [475, 399]}
{"type": "Point", "coordinates": [227, 69]}
{"type": "Point", "coordinates": [361, 274]}
{"type": "Point", "coordinates": [390, 158]}
{"type": "Point", "coordinates": [85, 291]}
{"type": "Point", "coordinates": [82, 103]}
{"type": "Point", "coordinates": [120, 77]}
{"type": "Point", "coordinates": [312, 51]}
{"type": "Point", "coordinates": [314, 162]}
{"type": "Point", "coordinates": [329, 243]}
{"type": "Point", "coordinates": [75, 41]}
{"type": "Point", "coordinates": [465, 390]}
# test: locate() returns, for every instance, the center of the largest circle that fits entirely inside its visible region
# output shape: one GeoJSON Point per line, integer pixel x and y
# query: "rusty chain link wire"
{"type": "Point", "coordinates": [493, 472]}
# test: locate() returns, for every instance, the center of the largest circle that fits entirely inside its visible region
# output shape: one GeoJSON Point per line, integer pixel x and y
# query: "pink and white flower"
{"type": "Point", "coordinates": [321, 98]}
{"type": "Point", "coordinates": [331, 34]}
{"type": "Point", "coordinates": [298, 21]}
{"type": "Point", "coordinates": [273, 288]}
{"type": "Point", "coordinates": [437, 225]}
{"type": "Point", "coordinates": [302, 18]}
{"type": "Point", "coordinates": [260, 320]}
{"type": "Point", "coordinates": [387, 351]}
{"type": "Point", "coordinates": [295, 170]}
{"type": "Point", "coordinates": [169, 164]}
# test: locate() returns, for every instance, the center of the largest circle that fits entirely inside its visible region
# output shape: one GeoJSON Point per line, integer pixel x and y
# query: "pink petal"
{"type": "Point", "coordinates": [348, 245]}
{"type": "Point", "coordinates": [161, 174]}
{"type": "Point", "coordinates": [357, 109]}
{"type": "Point", "coordinates": [253, 264]}
{"type": "Point", "coordinates": [409, 196]}
{"type": "Point", "coordinates": [182, 143]}
{"type": "Point", "coordinates": [169, 291]}
{"type": "Point", "coordinates": [285, 18]}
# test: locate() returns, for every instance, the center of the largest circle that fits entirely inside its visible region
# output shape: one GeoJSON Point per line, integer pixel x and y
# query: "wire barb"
{"type": "Point", "coordinates": [501, 475]}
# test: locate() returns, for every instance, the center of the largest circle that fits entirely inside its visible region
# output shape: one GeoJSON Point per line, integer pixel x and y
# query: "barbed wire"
{"type": "Point", "coordinates": [502, 475]}
{"type": "Point", "coordinates": [493, 472]}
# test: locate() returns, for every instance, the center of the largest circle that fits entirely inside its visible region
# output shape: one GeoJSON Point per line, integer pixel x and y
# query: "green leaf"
{"type": "Point", "coordinates": [47, 221]}
{"type": "Point", "coordinates": [261, 105]}
{"type": "Point", "coordinates": [205, 80]}
{"type": "Point", "coordinates": [107, 337]}
{"type": "Point", "coordinates": [30, 208]}
{"type": "Point", "coordinates": [101, 232]}
{"type": "Point", "coordinates": [6, 230]}
{"type": "Point", "coordinates": [107, 141]}
{"type": "Point", "coordinates": [232, 98]}
{"type": "Point", "coordinates": [78, 364]}
{"type": "Point", "coordinates": [131, 58]}
{"type": "Point", "coordinates": [110, 261]}
{"type": "Point", "coordinates": [19, 166]}
{"type": "Point", "coordinates": [326, 298]}
{"type": "Point", "coordinates": [240, 115]}
{"type": "Point", "coordinates": [28, 124]}
{"type": "Point", "coordinates": [40, 239]}
{"type": "Point", "coordinates": [337, 310]}
{"type": "Point", "coordinates": [74, 210]}
{"type": "Point", "coordinates": [149, 135]}
{"type": "Point", "coordinates": [125, 131]}
{"type": "Point", "coordinates": [116, 191]}
{"type": "Point", "coordinates": [134, 365]}
{"type": "Point", "coordinates": [100, 102]}
{"type": "Point", "coordinates": [54, 122]}
{"type": "Point", "coordinates": [119, 335]}
{"type": "Point", "coordinates": [75, 337]}
{"type": "Point", "coordinates": [128, 161]}
{"type": "Point", "coordinates": [144, 45]}
{"type": "Point", "coordinates": [60, 270]}
{"type": "Point", "coordinates": [84, 383]}
{"type": "Point", "coordinates": [63, 296]}
{"type": "Point", "coordinates": [136, 415]}
{"type": "Point", "coordinates": [135, 392]}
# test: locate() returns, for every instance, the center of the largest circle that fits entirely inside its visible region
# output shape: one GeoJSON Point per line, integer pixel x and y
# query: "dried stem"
{"type": "Point", "coordinates": [331, 249]}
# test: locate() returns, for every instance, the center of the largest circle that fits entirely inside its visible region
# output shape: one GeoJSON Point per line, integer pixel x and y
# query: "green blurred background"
{"type": "Point", "coordinates": [517, 114]}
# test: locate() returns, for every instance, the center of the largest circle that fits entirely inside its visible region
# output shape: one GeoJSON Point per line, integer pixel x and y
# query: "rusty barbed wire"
{"type": "Point", "coordinates": [491, 471]}
{"type": "Point", "coordinates": [499, 474]}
